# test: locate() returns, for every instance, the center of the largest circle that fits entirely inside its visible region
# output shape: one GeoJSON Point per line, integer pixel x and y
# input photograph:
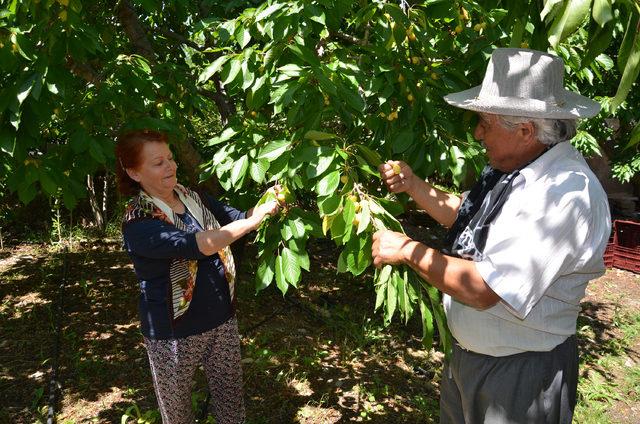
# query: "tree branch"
{"type": "Point", "coordinates": [348, 38]}
{"type": "Point", "coordinates": [181, 38]}
{"type": "Point", "coordinates": [225, 106]}
{"type": "Point", "coordinates": [84, 71]}
{"type": "Point", "coordinates": [135, 32]}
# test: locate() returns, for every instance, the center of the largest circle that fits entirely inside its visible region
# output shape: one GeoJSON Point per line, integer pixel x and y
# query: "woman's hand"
{"type": "Point", "coordinates": [398, 176]}
{"type": "Point", "coordinates": [260, 212]}
{"type": "Point", "coordinates": [388, 248]}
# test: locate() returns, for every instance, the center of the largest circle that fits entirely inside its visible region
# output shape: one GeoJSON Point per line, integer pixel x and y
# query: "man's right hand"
{"type": "Point", "coordinates": [397, 175]}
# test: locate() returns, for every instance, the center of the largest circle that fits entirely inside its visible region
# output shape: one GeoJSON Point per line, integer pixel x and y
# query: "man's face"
{"type": "Point", "coordinates": [502, 145]}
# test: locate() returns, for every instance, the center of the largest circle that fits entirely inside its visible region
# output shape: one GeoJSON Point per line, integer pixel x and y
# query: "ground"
{"type": "Point", "coordinates": [318, 355]}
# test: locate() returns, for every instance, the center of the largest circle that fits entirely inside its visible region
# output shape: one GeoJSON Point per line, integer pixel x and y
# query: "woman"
{"type": "Point", "coordinates": [179, 245]}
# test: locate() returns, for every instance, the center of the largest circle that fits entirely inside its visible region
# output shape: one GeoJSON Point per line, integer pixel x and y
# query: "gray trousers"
{"type": "Point", "coordinates": [529, 387]}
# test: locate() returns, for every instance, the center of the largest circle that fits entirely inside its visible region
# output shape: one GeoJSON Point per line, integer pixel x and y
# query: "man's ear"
{"type": "Point", "coordinates": [133, 174]}
{"type": "Point", "coordinates": [528, 131]}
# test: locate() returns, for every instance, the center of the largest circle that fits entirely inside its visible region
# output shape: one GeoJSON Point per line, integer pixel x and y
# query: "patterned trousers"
{"type": "Point", "coordinates": [173, 365]}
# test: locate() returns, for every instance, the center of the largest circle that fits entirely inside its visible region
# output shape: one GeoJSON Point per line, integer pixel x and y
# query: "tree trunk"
{"type": "Point", "coordinates": [93, 201]}
{"type": "Point", "coordinates": [135, 31]}
{"type": "Point", "coordinates": [105, 192]}
{"type": "Point", "coordinates": [188, 155]}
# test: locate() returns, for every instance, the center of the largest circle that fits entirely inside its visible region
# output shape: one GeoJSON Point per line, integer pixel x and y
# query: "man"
{"type": "Point", "coordinates": [523, 245]}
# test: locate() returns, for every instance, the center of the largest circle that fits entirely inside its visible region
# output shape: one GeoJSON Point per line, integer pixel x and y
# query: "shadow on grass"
{"type": "Point", "coordinates": [321, 355]}
{"type": "Point", "coordinates": [100, 344]}
{"type": "Point", "coordinates": [601, 336]}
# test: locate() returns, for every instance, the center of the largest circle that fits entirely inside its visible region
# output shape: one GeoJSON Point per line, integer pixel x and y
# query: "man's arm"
{"type": "Point", "coordinates": [456, 277]}
{"type": "Point", "coordinates": [442, 206]}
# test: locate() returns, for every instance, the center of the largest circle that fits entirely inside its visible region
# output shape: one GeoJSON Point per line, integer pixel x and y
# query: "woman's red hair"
{"type": "Point", "coordinates": [128, 148]}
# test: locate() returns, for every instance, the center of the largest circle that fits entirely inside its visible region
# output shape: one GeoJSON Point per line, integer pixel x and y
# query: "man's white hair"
{"type": "Point", "coordinates": [548, 131]}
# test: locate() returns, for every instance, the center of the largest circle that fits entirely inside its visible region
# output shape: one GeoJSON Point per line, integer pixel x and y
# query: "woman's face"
{"type": "Point", "coordinates": [157, 171]}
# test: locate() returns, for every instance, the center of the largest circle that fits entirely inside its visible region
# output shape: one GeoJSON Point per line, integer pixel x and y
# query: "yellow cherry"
{"type": "Point", "coordinates": [396, 168]}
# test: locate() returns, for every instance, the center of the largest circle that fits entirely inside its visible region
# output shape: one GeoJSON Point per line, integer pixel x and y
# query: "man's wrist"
{"type": "Point", "coordinates": [407, 251]}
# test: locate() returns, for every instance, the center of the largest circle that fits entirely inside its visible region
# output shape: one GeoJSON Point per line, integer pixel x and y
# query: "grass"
{"type": "Point", "coordinates": [319, 355]}
{"type": "Point", "coordinates": [607, 378]}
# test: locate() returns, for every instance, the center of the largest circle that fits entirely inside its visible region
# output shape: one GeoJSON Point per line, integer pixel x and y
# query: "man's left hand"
{"type": "Point", "coordinates": [387, 247]}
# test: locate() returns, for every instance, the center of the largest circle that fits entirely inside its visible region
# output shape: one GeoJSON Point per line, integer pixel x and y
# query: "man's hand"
{"type": "Point", "coordinates": [397, 175]}
{"type": "Point", "coordinates": [387, 248]}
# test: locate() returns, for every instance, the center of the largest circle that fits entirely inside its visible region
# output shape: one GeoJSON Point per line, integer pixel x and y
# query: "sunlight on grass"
{"type": "Point", "coordinates": [611, 378]}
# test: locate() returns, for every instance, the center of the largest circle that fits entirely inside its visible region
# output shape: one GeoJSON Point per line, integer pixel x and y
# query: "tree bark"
{"type": "Point", "coordinates": [135, 31]}
{"type": "Point", "coordinates": [187, 153]}
{"type": "Point", "coordinates": [105, 192]}
{"type": "Point", "coordinates": [93, 202]}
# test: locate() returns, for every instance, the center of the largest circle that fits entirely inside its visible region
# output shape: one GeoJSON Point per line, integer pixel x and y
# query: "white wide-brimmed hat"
{"type": "Point", "coordinates": [523, 82]}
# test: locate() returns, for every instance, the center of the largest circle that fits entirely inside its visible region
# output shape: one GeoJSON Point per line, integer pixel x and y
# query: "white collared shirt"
{"type": "Point", "coordinates": [542, 249]}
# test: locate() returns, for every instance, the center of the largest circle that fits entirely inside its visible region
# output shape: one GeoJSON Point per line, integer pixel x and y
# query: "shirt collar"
{"type": "Point", "coordinates": [536, 169]}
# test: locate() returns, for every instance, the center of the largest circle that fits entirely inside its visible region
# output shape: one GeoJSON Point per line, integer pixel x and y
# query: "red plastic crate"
{"type": "Point", "coordinates": [623, 251]}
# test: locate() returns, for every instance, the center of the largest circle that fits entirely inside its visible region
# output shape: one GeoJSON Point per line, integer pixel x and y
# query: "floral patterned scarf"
{"type": "Point", "coordinates": [182, 272]}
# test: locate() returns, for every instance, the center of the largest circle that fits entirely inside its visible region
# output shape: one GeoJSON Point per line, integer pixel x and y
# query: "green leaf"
{"type": "Point", "coordinates": [392, 298]}
{"type": "Point", "coordinates": [25, 88]}
{"type": "Point", "coordinates": [329, 205]}
{"type": "Point", "coordinates": [290, 266]}
{"type": "Point", "coordinates": [427, 323]}
{"type": "Point", "coordinates": [298, 247]}
{"type": "Point", "coordinates": [225, 135]}
{"type": "Point", "coordinates": [7, 141]}
{"type": "Point", "coordinates": [549, 6]}
{"type": "Point", "coordinates": [259, 93]}
{"type": "Point", "coordinates": [319, 164]}
{"type": "Point", "coordinates": [402, 141]}
{"type": "Point", "coordinates": [243, 36]}
{"type": "Point", "coordinates": [239, 170]}
{"type": "Point", "coordinates": [305, 54]}
{"type": "Point", "coordinates": [629, 76]}
{"type": "Point", "coordinates": [281, 280]}
{"type": "Point", "coordinates": [26, 193]}
{"type": "Point", "coordinates": [297, 227]}
{"type": "Point", "coordinates": [258, 170]}
{"type": "Point", "coordinates": [46, 182]}
{"type": "Point", "coordinates": [234, 70]}
{"type": "Point", "coordinates": [602, 11]}
{"type": "Point", "coordinates": [598, 43]}
{"type": "Point", "coordinates": [95, 150]}
{"type": "Point", "coordinates": [269, 11]}
{"type": "Point", "coordinates": [328, 184]}
{"type": "Point", "coordinates": [365, 217]}
{"type": "Point", "coordinates": [341, 266]}
{"type": "Point", "coordinates": [516, 33]}
{"type": "Point", "coordinates": [318, 135]}
{"type": "Point", "coordinates": [274, 149]}
{"type": "Point", "coordinates": [629, 41]}
{"type": "Point", "coordinates": [370, 155]}
{"type": "Point", "coordinates": [213, 68]}
{"type": "Point", "coordinates": [358, 254]}
{"type": "Point", "coordinates": [634, 138]}
{"type": "Point", "coordinates": [572, 15]}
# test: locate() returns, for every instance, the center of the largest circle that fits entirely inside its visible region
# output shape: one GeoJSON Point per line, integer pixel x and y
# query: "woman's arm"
{"type": "Point", "coordinates": [212, 241]}
{"type": "Point", "coordinates": [442, 206]}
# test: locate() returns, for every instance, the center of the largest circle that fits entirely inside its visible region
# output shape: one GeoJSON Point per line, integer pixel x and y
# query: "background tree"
{"type": "Point", "coordinates": [311, 94]}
